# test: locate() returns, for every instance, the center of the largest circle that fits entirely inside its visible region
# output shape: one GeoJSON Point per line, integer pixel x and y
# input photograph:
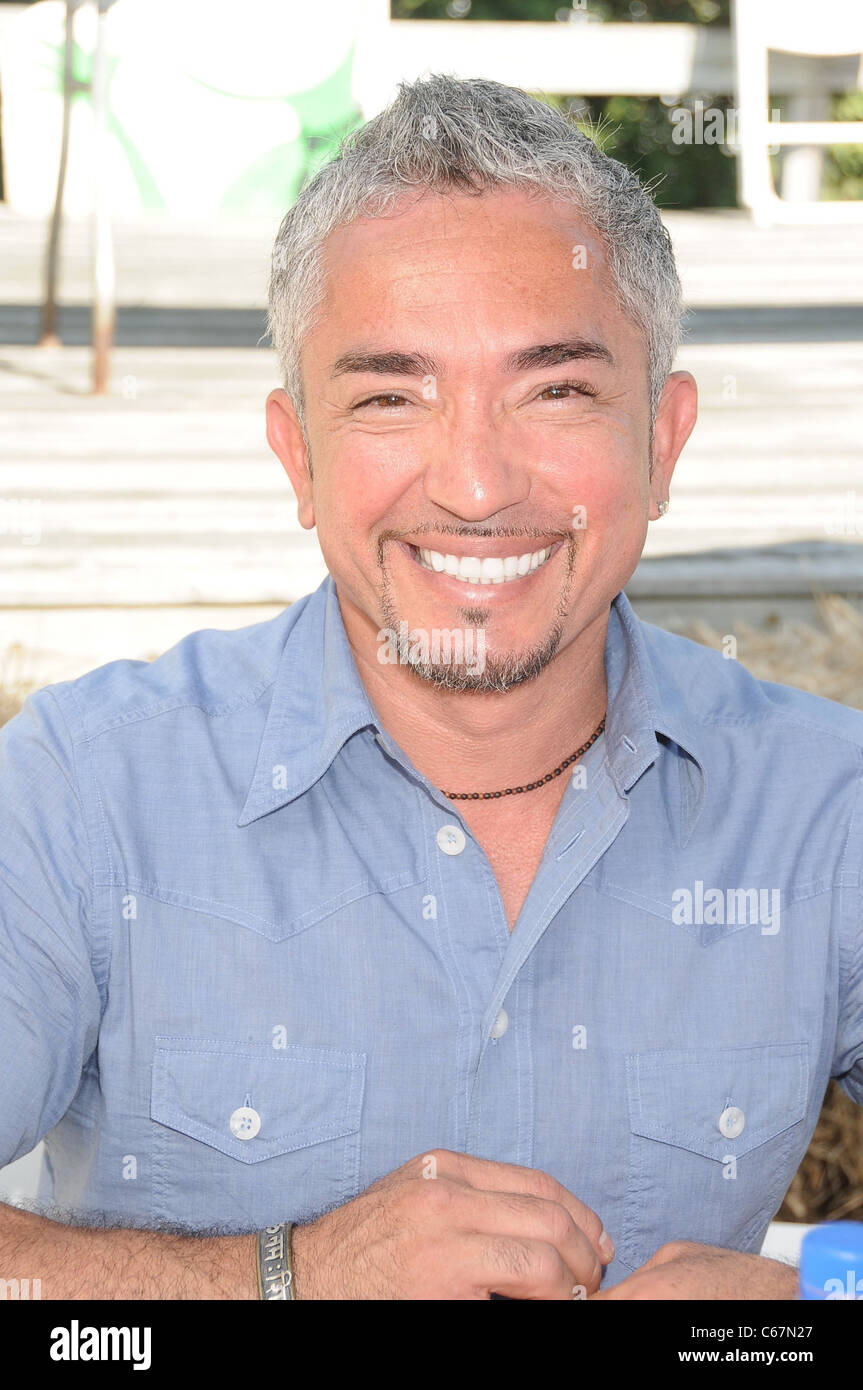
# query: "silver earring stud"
{"type": "Point", "coordinates": [663, 507]}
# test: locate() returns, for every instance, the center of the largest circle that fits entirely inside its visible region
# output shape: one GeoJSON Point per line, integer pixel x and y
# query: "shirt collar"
{"type": "Point", "coordinates": [319, 702]}
{"type": "Point", "coordinates": [645, 701]}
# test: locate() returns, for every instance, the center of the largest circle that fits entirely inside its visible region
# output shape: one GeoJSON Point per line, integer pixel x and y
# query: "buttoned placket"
{"type": "Point", "coordinates": [589, 819]}
{"type": "Point", "coordinates": [491, 972]}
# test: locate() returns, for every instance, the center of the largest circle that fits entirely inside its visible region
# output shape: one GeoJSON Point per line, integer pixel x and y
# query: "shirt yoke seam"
{"type": "Point", "coordinates": [217, 711]}
{"type": "Point", "coordinates": [787, 717]}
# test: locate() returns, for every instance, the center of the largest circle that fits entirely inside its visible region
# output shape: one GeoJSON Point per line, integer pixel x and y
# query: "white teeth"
{"type": "Point", "coordinates": [492, 569]}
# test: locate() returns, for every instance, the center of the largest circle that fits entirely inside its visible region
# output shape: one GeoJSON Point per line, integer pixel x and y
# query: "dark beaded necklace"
{"type": "Point", "coordinates": [531, 786]}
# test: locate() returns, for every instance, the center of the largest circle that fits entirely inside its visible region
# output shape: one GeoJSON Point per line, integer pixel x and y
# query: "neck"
{"type": "Point", "coordinates": [480, 741]}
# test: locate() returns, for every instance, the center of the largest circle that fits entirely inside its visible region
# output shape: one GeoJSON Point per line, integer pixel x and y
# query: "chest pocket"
{"type": "Point", "coordinates": [291, 1153]}
{"type": "Point", "coordinates": [716, 1137]}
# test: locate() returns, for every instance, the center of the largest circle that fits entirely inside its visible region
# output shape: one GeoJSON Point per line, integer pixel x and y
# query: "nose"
{"type": "Point", "coordinates": [472, 474]}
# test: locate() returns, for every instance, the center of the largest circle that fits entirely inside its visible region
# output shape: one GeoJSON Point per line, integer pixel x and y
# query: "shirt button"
{"type": "Point", "coordinates": [731, 1122]}
{"type": "Point", "coordinates": [450, 838]}
{"type": "Point", "coordinates": [245, 1123]}
{"type": "Point", "coordinates": [500, 1025]}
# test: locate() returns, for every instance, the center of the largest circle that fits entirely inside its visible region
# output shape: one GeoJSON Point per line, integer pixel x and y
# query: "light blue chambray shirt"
{"type": "Point", "coordinates": [225, 889]}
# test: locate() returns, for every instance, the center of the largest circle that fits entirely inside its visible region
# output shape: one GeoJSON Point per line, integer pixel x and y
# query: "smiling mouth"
{"type": "Point", "coordinates": [487, 569]}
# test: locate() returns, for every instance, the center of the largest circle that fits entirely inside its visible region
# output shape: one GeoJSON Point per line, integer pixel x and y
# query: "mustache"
{"type": "Point", "coordinates": [463, 532]}
{"type": "Point", "coordinates": [479, 532]}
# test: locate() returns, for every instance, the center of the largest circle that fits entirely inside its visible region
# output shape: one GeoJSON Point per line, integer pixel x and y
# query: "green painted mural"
{"type": "Point", "coordinates": [212, 109]}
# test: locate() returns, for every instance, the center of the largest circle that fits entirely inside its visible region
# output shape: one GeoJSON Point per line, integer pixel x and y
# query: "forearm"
{"type": "Point", "coordinates": [685, 1270]}
{"type": "Point", "coordinates": [85, 1262]}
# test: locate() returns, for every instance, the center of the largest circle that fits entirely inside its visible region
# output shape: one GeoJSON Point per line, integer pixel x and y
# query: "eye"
{"type": "Point", "coordinates": [580, 388]}
{"type": "Point", "coordinates": [392, 398]}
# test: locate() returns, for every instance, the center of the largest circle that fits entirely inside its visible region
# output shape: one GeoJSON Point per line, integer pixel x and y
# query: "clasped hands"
{"type": "Point", "coordinates": [448, 1225]}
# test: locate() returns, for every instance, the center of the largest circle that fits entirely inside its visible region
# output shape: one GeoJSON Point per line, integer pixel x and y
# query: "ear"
{"type": "Point", "coordinates": [285, 438]}
{"type": "Point", "coordinates": [675, 421]}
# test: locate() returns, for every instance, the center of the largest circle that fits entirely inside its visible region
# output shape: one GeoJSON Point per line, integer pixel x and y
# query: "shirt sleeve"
{"type": "Point", "coordinates": [848, 1067]}
{"type": "Point", "coordinates": [49, 1000]}
{"type": "Point", "coordinates": [848, 1058]}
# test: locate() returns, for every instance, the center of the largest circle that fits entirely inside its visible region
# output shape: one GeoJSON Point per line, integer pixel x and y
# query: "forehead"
{"type": "Point", "coordinates": [503, 254]}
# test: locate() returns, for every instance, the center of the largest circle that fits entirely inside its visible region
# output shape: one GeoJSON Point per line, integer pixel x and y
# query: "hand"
{"type": "Point", "coordinates": [474, 1228]}
{"type": "Point", "coordinates": [683, 1269]}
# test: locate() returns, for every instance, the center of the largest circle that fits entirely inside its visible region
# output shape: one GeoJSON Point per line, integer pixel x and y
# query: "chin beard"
{"type": "Point", "coordinates": [498, 675]}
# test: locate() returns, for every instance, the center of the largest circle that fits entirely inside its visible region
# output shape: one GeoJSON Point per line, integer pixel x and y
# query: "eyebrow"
{"type": "Point", "coordinates": [553, 354]}
{"type": "Point", "coordinates": [418, 364]}
{"type": "Point", "coordinates": [386, 364]}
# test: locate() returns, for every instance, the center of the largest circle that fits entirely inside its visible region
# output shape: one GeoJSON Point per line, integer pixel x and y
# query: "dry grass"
{"type": "Point", "coordinates": [827, 661]}
{"type": "Point", "coordinates": [15, 682]}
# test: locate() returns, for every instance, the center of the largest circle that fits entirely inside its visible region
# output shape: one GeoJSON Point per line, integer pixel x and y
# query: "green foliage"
{"type": "Point", "coordinates": [635, 130]}
{"type": "Point", "coordinates": [843, 167]}
{"type": "Point", "coordinates": [638, 130]}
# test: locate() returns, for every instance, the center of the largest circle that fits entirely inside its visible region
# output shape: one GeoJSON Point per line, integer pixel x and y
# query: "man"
{"type": "Point", "coordinates": [501, 942]}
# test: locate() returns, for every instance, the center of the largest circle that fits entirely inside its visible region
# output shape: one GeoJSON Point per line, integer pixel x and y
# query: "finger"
{"type": "Point", "coordinates": [522, 1216]}
{"type": "Point", "coordinates": [490, 1175]}
{"type": "Point", "coordinates": [516, 1268]}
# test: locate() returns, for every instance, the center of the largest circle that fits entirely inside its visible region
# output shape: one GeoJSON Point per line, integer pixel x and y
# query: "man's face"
{"type": "Point", "coordinates": [475, 403]}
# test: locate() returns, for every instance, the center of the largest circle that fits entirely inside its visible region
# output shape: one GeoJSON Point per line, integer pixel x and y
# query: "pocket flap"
{"type": "Point", "coordinates": [678, 1097]}
{"type": "Point", "coordinates": [300, 1095]}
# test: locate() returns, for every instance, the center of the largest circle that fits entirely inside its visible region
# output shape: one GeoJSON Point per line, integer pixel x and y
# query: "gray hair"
{"type": "Point", "coordinates": [473, 135]}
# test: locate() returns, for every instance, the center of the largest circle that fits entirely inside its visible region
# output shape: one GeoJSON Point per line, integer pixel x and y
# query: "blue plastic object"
{"type": "Point", "coordinates": [831, 1261]}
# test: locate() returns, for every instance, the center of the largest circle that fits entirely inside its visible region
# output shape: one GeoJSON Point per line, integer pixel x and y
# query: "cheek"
{"type": "Point", "coordinates": [621, 502]}
{"type": "Point", "coordinates": [357, 487]}
{"type": "Point", "coordinates": [602, 484]}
